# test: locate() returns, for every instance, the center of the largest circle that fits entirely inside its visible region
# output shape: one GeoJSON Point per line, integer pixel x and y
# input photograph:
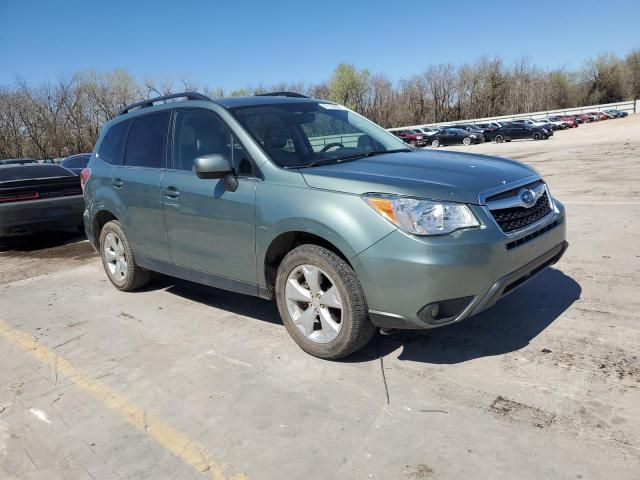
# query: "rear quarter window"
{"type": "Point", "coordinates": [111, 147]}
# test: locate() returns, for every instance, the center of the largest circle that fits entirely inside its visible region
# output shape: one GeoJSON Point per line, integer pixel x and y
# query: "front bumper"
{"type": "Point", "coordinates": [32, 216]}
{"type": "Point", "coordinates": [408, 280]}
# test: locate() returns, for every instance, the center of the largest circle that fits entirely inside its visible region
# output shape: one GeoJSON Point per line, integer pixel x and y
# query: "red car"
{"type": "Point", "coordinates": [411, 137]}
{"type": "Point", "coordinates": [600, 115]}
{"type": "Point", "coordinates": [572, 122]}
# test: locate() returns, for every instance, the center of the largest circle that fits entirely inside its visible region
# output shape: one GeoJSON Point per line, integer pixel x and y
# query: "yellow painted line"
{"type": "Point", "coordinates": [175, 442]}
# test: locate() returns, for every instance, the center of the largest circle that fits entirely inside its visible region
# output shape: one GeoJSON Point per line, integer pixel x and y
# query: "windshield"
{"type": "Point", "coordinates": [307, 134]}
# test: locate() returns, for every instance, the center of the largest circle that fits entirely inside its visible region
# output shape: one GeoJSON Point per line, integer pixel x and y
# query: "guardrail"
{"type": "Point", "coordinates": [348, 140]}
{"type": "Point", "coordinates": [632, 106]}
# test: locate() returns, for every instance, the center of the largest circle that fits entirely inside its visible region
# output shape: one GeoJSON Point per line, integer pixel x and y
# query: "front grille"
{"type": "Point", "coordinates": [531, 236]}
{"type": "Point", "coordinates": [510, 219]}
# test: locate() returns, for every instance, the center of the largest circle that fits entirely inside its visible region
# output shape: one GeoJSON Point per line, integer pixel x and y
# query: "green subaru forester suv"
{"type": "Point", "coordinates": [306, 202]}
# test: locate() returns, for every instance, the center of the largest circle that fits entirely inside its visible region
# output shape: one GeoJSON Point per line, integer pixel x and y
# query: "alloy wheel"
{"type": "Point", "coordinates": [115, 257]}
{"type": "Point", "coordinates": [314, 303]}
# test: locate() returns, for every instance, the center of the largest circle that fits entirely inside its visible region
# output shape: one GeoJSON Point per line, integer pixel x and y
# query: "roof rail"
{"type": "Point", "coordinates": [151, 101]}
{"type": "Point", "coordinates": [281, 94]}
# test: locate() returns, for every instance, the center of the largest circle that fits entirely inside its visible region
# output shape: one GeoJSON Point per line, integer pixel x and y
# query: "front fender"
{"type": "Point", "coordinates": [344, 220]}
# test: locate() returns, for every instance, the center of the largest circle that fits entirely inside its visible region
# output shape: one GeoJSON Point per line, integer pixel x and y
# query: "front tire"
{"type": "Point", "coordinates": [536, 136]}
{"type": "Point", "coordinates": [117, 259]}
{"type": "Point", "coordinates": [435, 143]}
{"type": "Point", "coordinates": [322, 303]}
{"type": "Point", "coordinates": [466, 141]}
{"type": "Point", "coordinates": [499, 139]}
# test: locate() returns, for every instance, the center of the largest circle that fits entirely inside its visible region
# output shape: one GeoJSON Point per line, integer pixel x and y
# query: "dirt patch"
{"type": "Point", "coordinates": [43, 254]}
{"type": "Point", "coordinates": [611, 364]}
{"type": "Point", "coordinates": [505, 407]}
{"type": "Point", "coordinates": [418, 471]}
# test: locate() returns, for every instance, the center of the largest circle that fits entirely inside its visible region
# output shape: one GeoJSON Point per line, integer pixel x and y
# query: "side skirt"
{"type": "Point", "coordinates": [197, 276]}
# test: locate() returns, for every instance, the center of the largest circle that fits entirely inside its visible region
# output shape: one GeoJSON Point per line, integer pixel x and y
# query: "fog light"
{"type": "Point", "coordinates": [444, 311]}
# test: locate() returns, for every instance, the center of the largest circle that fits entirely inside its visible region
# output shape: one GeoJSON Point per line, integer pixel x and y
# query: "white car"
{"type": "Point", "coordinates": [428, 131]}
{"type": "Point", "coordinates": [557, 123]}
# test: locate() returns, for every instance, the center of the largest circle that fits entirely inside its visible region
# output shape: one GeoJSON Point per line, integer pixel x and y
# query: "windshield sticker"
{"type": "Point", "coordinates": [332, 106]}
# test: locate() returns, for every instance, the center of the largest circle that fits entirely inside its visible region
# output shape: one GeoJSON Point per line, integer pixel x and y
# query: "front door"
{"type": "Point", "coordinates": [210, 229]}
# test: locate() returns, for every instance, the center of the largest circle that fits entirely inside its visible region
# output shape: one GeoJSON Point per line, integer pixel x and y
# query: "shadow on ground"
{"type": "Point", "coordinates": [40, 241]}
{"type": "Point", "coordinates": [236, 303]}
{"type": "Point", "coordinates": [508, 326]}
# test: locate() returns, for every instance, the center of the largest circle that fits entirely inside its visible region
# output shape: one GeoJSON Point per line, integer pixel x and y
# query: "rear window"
{"type": "Point", "coordinates": [111, 148]}
{"type": "Point", "coordinates": [26, 172]}
{"type": "Point", "coordinates": [146, 145]}
{"type": "Point", "coordinates": [79, 161]}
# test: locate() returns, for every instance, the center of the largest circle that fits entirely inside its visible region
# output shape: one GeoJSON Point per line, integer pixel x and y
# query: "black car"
{"type": "Point", "coordinates": [455, 136]}
{"type": "Point", "coordinates": [38, 197]}
{"type": "Point", "coordinates": [76, 163]}
{"type": "Point", "coordinates": [469, 128]}
{"type": "Point", "coordinates": [513, 131]}
{"type": "Point", "coordinates": [17, 161]}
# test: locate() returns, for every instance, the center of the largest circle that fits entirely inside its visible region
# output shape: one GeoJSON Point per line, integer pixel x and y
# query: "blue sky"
{"type": "Point", "coordinates": [242, 43]}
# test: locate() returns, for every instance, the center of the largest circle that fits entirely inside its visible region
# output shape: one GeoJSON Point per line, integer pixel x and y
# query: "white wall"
{"type": "Point", "coordinates": [629, 107]}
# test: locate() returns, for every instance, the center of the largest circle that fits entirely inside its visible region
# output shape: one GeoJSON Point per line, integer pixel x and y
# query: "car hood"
{"type": "Point", "coordinates": [453, 176]}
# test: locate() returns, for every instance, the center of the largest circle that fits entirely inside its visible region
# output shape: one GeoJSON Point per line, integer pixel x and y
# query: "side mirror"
{"type": "Point", "coordinates": [215, 165]}
{"type": "Point", "coordinates": [211, 166]}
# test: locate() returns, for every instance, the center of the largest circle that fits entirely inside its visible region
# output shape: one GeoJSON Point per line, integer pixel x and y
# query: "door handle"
{"type": "Point", "coordinates": [117, 182]}
{"type": "Point", "coordinates": [171, 192]}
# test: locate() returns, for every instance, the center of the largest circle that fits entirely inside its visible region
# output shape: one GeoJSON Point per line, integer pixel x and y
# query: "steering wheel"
{"type": "Point", "coordinates": [331, 145]}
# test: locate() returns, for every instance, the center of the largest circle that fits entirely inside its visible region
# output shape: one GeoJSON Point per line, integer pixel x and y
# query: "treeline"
{"type": "Point", "coordinates": [54, 120]}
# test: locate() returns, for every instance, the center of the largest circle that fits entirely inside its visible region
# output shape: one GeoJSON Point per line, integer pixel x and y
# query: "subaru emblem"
{"type": "Point", "coordinates": [528, 197]}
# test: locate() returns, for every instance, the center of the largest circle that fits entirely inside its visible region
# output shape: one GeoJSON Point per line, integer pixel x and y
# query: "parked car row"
{"type": "Point", "coordinates": [500, 131]}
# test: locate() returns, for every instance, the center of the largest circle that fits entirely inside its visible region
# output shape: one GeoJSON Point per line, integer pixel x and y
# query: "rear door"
{"type": "Point", "coordinates": [210, 229]}
{"type": "Point", "coordinates": [517, 131]}
{"type": "Point", "coordinates": [137, 182]}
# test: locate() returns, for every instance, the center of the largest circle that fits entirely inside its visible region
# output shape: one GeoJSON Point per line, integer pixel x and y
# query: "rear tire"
{"type": "Point", "coordinates": [435, 143]}
{"type": "Point", "coordinates": [118, 261]}
{"type": "Point", "coordinates": [322, 303]}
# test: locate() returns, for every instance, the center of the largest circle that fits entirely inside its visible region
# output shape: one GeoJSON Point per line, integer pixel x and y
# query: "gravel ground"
{"type": "Point", "coordinates": [184, 381]}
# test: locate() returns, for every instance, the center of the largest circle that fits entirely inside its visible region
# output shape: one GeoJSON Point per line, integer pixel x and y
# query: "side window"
{"type": "Point", "coordinates": [197, 133]}
{"type": "Point", "coordinates": [200, 132]}
{"type": "Point", "coordinates": [146, 144]}
{"type": "Point", "coordinates": [242, 164]}
{"type": "Point", "coordinates": [111, 147]}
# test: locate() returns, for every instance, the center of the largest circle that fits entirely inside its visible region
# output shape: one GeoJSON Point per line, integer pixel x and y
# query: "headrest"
{"type": "Point", "coordinates": [275, 137]}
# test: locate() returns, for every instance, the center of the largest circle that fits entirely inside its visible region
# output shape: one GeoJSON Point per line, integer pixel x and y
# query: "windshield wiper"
{"type": "Point", "coordinates": [358, 156]}
{"type": "Point", "coordinates": [349, 158]}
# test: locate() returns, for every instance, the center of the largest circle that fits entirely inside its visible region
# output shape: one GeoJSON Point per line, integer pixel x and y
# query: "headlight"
{"type": "Point", "coordinates": [423, 217]}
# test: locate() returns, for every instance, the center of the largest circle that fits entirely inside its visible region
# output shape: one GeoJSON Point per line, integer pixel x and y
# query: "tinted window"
{"type": "Point", "coordinates": [147, 141]}
{"type": "Point", "coordinates": [79, 161]}
{"type": "Point", "coordinates": [37, 170]}
{"type": "Point", "coordinates": [111, 147]}
{"type": "Point", "coordinates": [200, 132]}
